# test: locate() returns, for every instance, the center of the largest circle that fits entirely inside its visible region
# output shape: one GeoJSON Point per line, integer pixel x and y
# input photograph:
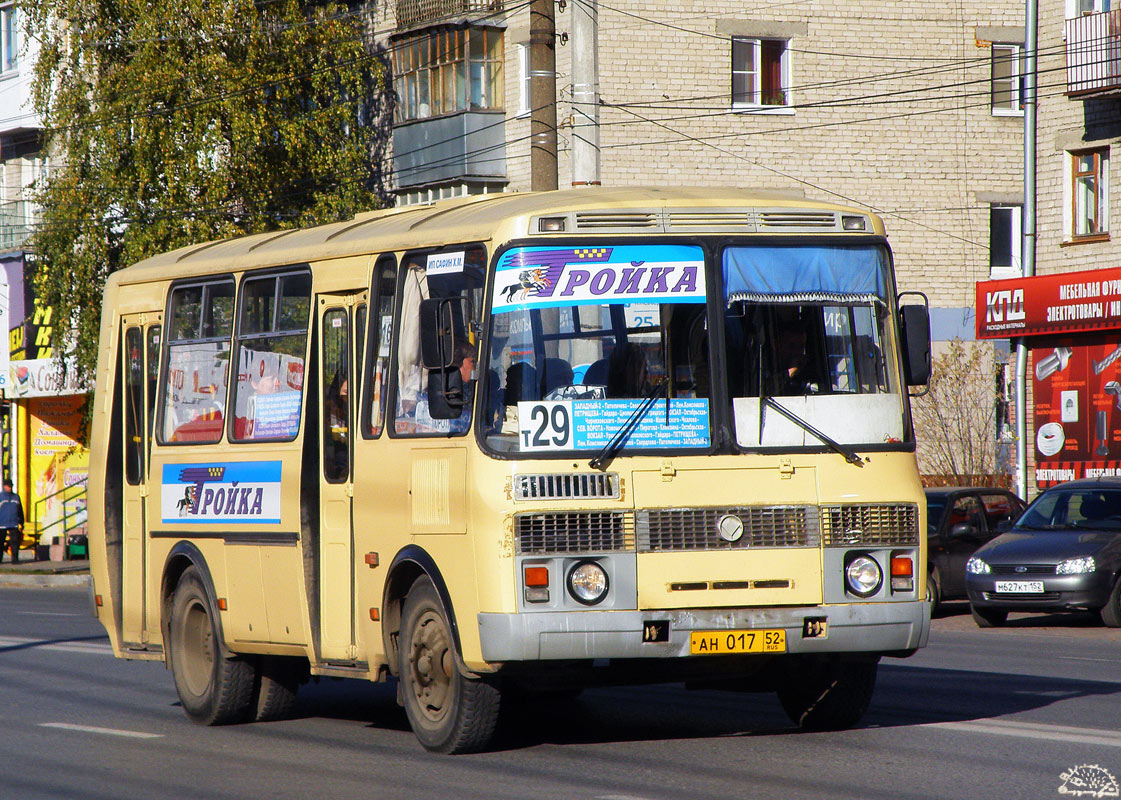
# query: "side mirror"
{"type": "Point", "coordinates": [441, 326]}
{"type": "Point", "coordinates": [915, 328]}
{"type": "Point", "coordinates": [962, 529]}
{"type": "Point", "coordinates": [445, 393]}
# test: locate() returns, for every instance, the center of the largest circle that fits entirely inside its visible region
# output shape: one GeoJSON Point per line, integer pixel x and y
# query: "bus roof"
{"type": "Point", "coordinates": [502, 216]}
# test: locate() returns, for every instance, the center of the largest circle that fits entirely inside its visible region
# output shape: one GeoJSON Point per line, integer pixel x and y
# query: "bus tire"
{"type": "Point", "coordinates": [449, 712]}
{"type": "Point", "coordinates": [278, 683]}
{"type": "Point", "coordinates": [213, 688]}
{"type": "Point", "coordinates": [823, 693]}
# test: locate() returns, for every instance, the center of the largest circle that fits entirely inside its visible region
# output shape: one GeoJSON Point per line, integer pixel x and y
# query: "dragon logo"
{"type": "Point", "coordinates": [1088, 780]}
{"type": "Point", "coordinates": [530, 282]}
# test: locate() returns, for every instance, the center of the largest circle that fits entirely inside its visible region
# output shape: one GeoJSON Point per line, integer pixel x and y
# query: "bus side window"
{"type": "Point", "coordinates": [199, 325]}
{"type": "Point", "coordinates": [271, 341]}
{"type": "Point", "coordinates": [383, 297]}
{"type": "Point", "coordinates": [429, 275]}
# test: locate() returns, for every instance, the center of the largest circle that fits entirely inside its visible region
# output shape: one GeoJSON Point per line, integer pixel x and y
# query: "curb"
{"type": "Point", "coordinates": [44, 581]}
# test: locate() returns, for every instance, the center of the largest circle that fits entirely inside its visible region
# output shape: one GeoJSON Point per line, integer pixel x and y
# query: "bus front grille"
{"type": "Point", "coordinates": [870, 525]}
{"type": "Point", "coordinates": [667, 529]}
{"type": "Point", "coordinates": [574, 532]}
{"type": "Point", "coordinates": [567, 486]}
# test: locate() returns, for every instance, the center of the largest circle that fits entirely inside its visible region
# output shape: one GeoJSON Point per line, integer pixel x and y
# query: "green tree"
{"type": "Point", "coordinates": [182, 121]}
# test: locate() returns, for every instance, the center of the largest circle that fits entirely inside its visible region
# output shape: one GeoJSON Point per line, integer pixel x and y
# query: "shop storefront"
{"type": "Point", "coordinates": [1071, 323]}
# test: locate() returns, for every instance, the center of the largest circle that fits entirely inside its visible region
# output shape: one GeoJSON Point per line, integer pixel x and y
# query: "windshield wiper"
{"type": "Point", "coordinates": [615, 444]}
{"type": "Point", "coordinates": [850, 455]}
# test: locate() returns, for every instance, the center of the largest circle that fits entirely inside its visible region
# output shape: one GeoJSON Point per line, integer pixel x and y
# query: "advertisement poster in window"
{"type": "Point", "coordinates": [1077, 388]}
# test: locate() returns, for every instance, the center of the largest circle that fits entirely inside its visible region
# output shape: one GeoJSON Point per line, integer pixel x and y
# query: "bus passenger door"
{"type": "Point", "coordinates": [341, 324]}
{"type": "Point", "coordinates": [139, 367]}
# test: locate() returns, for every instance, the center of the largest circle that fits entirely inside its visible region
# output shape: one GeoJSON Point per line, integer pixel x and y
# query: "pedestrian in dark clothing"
{"type": "Point", "coordinates": [11, 522]}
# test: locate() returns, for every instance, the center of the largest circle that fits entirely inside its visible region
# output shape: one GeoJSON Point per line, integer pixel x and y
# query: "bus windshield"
{"type": "Point", "coordinates": [590, 344]}
{"type": "Point", "coordinates": [584, 339]}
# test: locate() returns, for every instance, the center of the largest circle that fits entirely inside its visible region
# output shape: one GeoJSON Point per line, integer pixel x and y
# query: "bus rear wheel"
{"type": "Point", "coordinates": [823, 693]}
{"type": "Point", "coordinates": [449, 712]}
{"type": "Point", "coordinates": [214, 689]}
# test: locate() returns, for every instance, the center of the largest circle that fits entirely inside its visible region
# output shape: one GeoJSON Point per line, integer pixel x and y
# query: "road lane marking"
{"type": "Point", "coordinates": [64, 646]}
{"type": "Point", "coordinates": [1032, 730]}
{"type": "Point", "coordinates": [66, 726]}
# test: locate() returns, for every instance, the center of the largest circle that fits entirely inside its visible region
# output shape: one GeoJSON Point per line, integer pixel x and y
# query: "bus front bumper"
{"type": "Point", "coordinates": [868, 627]}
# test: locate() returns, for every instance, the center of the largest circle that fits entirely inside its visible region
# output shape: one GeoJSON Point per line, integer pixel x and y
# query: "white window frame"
{"type": "Point", "coordinates": [756, 104]}
{"type": "Point", "coordinates": [1013, 84]}
{"type": "Point", "coordinates": [1015, 246]}
{"type": "Point", "coordinates": [1071, 213]}
{"type": "Point", "coordinates": [9, 38]}
{"type": "Point", "coordinates": [523, 80]}
{"type": "Point", "coordinates": [1080, 8]}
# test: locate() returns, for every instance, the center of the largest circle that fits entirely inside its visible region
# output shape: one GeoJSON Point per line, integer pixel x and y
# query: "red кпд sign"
{"type": "Point", "coordinates": [1069, 302]}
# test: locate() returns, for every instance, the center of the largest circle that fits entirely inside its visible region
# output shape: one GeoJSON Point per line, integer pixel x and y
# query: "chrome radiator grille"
{"type": "Point", "coordinates": [692, 529]}
{"type": "Point", "coordinates": [698, 528]}
{"type": "Point", "coordinates": [574, 532]}
{"type": "Point", "coordinates": [870, 524]}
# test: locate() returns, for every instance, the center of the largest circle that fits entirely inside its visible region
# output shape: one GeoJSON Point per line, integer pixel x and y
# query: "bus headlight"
{"type": "Point", "coordinates": [863, 575]}
{"type": "Point", "coordinates": [587, 583]}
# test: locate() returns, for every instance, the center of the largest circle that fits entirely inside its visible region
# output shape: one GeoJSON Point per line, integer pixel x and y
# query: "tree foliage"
{"type": "Point", "coordinates": [956, 421]}
{"type": "Point", "coordinates": [183, 121]}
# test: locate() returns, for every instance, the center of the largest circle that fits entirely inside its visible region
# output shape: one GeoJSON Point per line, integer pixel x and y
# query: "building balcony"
{"type": "Point", "coordinates": [469, 145]}
{"type": "Point", "coordinates": [411, 13]}
{"type": "Point", "coordinates": [1094, 54]}
{"type": "Point", "coordinates": [15, 225]}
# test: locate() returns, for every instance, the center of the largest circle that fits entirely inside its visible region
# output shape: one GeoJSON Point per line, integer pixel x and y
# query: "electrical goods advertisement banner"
{"type": "Point", "coordinates": [1068, 302]}
{"type": "Point", "coordinates": [1077, 389]}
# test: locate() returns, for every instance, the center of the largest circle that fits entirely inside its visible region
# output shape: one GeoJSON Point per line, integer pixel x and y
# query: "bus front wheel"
{"type": "Point", "coordinates": [213, 689]}
{"type": "Point", "coordinates": [823, 693]}
{"type": "Point", "coordinates": [449, 712]}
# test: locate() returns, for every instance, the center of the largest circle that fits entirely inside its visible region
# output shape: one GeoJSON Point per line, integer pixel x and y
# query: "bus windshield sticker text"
{"type": "Point", "coordinates": [229, 492]}
{"type": "Point", "coordinates": [552, 277]}
{"type": "Point", "coordinates": [444, 263]}
{"type": "Point", "coordinates": [591, 424]}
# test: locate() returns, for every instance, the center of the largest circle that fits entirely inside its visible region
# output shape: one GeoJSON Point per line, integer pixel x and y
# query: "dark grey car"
{"type": "Point", "coordinates": [1063, 554]}
{"type": "Point", "coordinates": [960, 519]}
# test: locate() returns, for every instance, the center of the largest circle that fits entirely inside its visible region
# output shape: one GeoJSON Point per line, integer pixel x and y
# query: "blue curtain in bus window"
{"type": "Point", "coordinates": [803, 270]}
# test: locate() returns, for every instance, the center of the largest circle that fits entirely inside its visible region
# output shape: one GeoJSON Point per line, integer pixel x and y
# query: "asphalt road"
{"type": "Point", "coordinates": [998, 713]}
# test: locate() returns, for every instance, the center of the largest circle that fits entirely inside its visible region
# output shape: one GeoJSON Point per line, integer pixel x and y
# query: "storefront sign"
{"type": "Point", "coordinates": [41, 377]}
{"type": "Point", "coordinates": [1070, 302]}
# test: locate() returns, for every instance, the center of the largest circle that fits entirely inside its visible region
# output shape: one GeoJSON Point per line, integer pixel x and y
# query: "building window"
{"type": "Point", "coordinates": [9, 38]}
{"type": "Point", "coordinates": [1005, 241]}
{"type": "Point", "coordinates": [1079, 8]}
{"type": "Point", "coordinates": [523, 80]}
{"type": "Point", "coordinates": [447, 71]}
{"type": "Point", "coordinates": [1007, 80]}
{"type": "Point", "coordinates": [760, 72]}
{"type": "Point", "coordinates": [1089, 187]}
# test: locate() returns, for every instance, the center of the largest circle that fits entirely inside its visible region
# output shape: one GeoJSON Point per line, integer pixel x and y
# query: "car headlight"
{"type": "Point", "coordinates": [587, 583]}
{"type": "Point", "coordinates": [975, 566]}
{"type": "Point", "coordinates": [1076, 566]}
{"type": "Point", "coordinates": [863, 576]}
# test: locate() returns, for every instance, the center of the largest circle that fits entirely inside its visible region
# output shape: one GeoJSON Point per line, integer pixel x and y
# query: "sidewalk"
{"type": "Point", "coordinates": [37, 574]}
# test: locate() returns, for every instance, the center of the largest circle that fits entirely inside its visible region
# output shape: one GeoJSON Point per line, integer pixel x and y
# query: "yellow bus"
{"type": "Point", "coordinates": [515, 443]}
